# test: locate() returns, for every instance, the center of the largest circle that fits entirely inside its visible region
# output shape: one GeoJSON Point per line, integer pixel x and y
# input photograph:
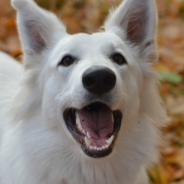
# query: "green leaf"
{"type": "Point", "coordinates": [172, 77]}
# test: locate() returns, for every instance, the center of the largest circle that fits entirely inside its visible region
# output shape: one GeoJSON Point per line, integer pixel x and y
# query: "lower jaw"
{"type": "Point", "coordinates": [97, 154]}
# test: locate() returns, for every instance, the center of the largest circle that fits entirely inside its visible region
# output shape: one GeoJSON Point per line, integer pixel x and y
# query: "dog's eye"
{"type": "Point", "coordinates": [119, 59]}
{"type": "Point", "coordinates": [67, 60]}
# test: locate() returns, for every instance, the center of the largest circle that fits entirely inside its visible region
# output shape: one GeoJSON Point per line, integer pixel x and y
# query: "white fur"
{"type": "Point", "coordinates": [36, 146]}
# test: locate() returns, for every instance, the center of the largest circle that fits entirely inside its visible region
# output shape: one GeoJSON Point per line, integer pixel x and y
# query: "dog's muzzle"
{"type": "Point", "coordinates": [95, 126]}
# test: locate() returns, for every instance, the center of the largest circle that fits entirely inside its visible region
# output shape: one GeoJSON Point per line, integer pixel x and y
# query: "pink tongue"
{"type": "Point", "coordinates": [98, 123]}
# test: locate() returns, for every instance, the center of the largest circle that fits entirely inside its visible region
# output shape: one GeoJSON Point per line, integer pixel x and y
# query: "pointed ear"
{"type": "Point", "coordinates": [38, 28]}
{"type": "Point", "coordinates": [135, 21]}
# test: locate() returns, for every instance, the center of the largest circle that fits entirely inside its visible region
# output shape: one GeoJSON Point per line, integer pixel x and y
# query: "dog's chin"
{"type": "Point", "coordinates": [95, 127]}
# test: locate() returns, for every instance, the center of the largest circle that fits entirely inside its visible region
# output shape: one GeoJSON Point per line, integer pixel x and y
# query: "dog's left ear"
{"type": "Point", "coordinates": [135, 21]}
{"type": "Point", "coordinates": [38, 28]}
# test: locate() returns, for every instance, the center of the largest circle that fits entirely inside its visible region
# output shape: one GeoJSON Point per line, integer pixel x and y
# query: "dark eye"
{"type": "Point", "coordinates": [67, 60]}
{"type": "Point", "coordinates": [119, 59]}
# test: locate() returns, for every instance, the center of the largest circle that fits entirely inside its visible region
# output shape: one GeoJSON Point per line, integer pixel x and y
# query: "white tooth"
{"type": "Point", "coordinates": [106, 146]}
{"type": "Point", "coordinates": [103, 147]}
{"type": "Point", "coordinates": [109, 141]}
{"type": "Point", "coordinates": [78, 122]}
{"type": "Point", "coordinates": [87, 141]}
{"type": "Point", "coordinates": [98, 149]}
{"type": "Point", "coordinates": [95, 148]}
{"type": "Point", "coordinates": [91, 147]}
{"type": "Point", "coordinates": [88, 135]}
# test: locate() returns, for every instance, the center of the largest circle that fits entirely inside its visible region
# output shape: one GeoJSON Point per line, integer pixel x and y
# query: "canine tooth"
{"type": "Point", "coordinates": [78, 122]}
{"type": "Point", "coordinates": [87, 141]}
{"type": "Point", "coordinates": [88, 135]}
{"type": "Point", "coordinates": [109, 141]}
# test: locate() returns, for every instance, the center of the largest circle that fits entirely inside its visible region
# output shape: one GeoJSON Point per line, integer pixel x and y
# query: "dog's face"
{"type": "Point", "coordinates": [91, 85]}
{"type": "Point", "coordinates": [90, 77]}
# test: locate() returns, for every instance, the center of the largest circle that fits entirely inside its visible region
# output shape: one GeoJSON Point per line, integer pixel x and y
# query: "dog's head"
{"type": "Point", "coordinates": [91, 86]}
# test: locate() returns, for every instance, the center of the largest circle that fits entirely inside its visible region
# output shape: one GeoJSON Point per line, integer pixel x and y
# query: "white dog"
{"type": "Point", "coordinates": [85, 108]}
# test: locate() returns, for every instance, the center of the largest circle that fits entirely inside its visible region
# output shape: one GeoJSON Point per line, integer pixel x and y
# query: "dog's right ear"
{"type": "Point", "coordinates": [38, 29]}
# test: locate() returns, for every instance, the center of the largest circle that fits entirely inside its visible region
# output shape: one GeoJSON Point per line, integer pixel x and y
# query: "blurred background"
{"type": "Point", "coordinates": [88, 16]}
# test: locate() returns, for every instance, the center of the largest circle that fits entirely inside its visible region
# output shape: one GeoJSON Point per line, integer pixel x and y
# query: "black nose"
{"type": "Point", "coordinates": [98, 81]}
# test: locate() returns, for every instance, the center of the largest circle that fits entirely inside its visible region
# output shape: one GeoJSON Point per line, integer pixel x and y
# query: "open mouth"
{"type": "Point", "coordinates": [95, 127]}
